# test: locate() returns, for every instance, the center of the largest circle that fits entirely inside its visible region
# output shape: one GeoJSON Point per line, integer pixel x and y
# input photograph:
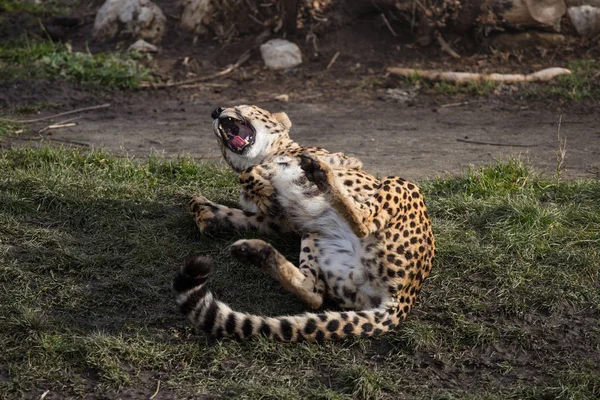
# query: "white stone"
{"type": "Point", "coordinates": [138, 18]}
{"type": "Point", "coordinates": [143, 47]}
{"type": "Point", "coordinates": [548, 12]}
{"type": "Point", "coordinates": [280, 54]}
{"type": "Point", "coordinates": [585, 19]}
{"type": "Point", "coordinates": [196, 15]}
{"type": "Point", "coordinates": [400, 96]}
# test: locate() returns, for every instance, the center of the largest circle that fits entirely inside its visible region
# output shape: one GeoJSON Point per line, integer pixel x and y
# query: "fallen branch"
{"type": "Point", "coordinates": [58, 126]}
{"type": "Point", "coordinates": [387, 23]}
{"type": "Point", "coordinates": [333, 60]}
{"type": "Point", "coordinates": [462, 103]}
{"type": "Point", "coordinates": [465, 77]}
{"type": "Point", "coordinates": [28, 121]}
{"type": "Point", "coordinates": [446, 47]}
{"type": "Point", "coordinates": [61, 124]}
{"type": "Point", "coordinates": [243, 58]}
{"type": "Point", "coordinates": [495, 144]}
{"type": "Point", "coordinates": [205, 84]}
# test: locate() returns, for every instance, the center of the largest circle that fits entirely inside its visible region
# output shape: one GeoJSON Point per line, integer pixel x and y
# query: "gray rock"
{"type": "Point", "coordinates": [280, 54]}
{"type": "Point", "coordinates": [585, 19]}
{"type": "Point", "coordinates": [137, 18]}
{"type": "Point", "coordinates": [196, 15]}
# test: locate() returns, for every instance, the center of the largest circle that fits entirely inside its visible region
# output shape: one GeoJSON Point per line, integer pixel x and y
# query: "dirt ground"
{"type": "Point", "coordinates": [343, 108]}
{"type": "Point", "coordinates": [434, 136]}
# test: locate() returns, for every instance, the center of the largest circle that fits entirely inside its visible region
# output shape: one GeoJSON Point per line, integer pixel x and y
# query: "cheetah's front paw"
{"type": "Point", "coordinates": [253, 251]}
{"type": "Point", "coordinates": [315, 171]}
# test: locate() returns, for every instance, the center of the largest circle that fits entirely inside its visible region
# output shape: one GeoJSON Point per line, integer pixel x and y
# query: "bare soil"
{"type": "Point", "coordinates": [343, 108]}
{"type": "Point", "coordinates": [433, 136]}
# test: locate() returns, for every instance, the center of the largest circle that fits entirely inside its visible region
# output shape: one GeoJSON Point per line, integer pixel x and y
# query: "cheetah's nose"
{"type": "Point", "coordinates": [215, 114]}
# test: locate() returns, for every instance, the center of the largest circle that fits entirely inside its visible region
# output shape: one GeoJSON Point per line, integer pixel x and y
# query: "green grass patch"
{"type": "Point", "coordinates": [26, 59]}
{"type": "Point", "coordinates": [471, 88]}
{"type": "Point", "coordinates": [583, 83]}
{"type": "Point", "coordinates": [451, 88]}
{"type": "Point", "coordinates": [89, 244]}
{"type": "Point", "coordinates": [37, 8]}
{"type": "Point", "coordinates": [30, 12]}
{"type": "Point", "coordinates": [10, 128]}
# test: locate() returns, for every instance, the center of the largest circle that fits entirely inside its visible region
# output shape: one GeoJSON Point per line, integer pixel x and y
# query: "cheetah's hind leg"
{"type": "Point", "coordinates": [305, 282]}
{"type": "Point", "coordinates": [320, 174]}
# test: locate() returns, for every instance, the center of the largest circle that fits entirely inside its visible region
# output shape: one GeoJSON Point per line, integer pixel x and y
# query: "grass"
{"type": "Point", "coordinates": [26, 59]}
{"type": "Point", "coordinates": [583, 83]}
{"type": "Point", "coordinates": [10, 128]}
{"type": "Point", "coordinates": [470, 88]}
{"type": "Point", "coordinates": [39, 8]}
{"type": "Point", "coordinates": [452, 88]}
{"type": "Point", "coordinates": [29, 13]}
{"type": "Point", "coordinates": [89, 244]}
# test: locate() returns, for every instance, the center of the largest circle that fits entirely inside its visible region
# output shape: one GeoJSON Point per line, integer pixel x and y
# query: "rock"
{"type": "Point", "coordinates": [585, 19]}
{"type": "Point", "coordinates": [196, 15]}
{"type": "Point", "coordinates": [138, 18]}
{"type": "Point", "coordinates": [280, 54]}
{"type": "Point", "coordinates": [143, 47]}
{"type": "Point", "coordinates": [547, 12]}
{"type": "Point", "coordinates": [400, 95]}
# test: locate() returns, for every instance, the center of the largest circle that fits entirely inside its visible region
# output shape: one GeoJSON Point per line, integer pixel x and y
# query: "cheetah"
{"type": "Point", "coordinates": [366, 243]}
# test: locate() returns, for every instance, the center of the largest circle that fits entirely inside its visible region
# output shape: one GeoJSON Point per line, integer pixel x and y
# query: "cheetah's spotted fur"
{"type": "Point", "coordinates": [366, 243]}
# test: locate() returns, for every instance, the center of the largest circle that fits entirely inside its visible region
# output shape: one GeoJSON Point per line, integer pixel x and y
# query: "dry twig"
{"type": "Point", "coordinates": [464, 77]}
{"type": "Point", "coordinates": [495, 144]}
{"type": "Point", "coordinates": [242, 59]}
{"type": "Point", "coordinates": [204, 84]}
{"type": "Point", "coordinates": [446, 47]}
{"type": "Point", "coordinates": [157, 389]}
{"type": "Point", "coordinates": [387, 23]}
{"type": "Point", "coordinates": [561, 152]}
{"type": "Point", "coordinates": [333, 60]}
{"type": "Point", "coordinates": [61, 124]}
{"type": "Point", "coordinates": [58, 126]}
{"type": "Point", "coordinates": [462, 103]}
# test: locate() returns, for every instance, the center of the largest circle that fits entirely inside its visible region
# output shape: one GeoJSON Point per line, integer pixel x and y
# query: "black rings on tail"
{"type": "Point", "coordinates": [218, 320]}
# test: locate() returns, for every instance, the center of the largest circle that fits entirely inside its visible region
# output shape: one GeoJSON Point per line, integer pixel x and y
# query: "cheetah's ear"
{"type": "Point", "coordinates": [283, 119]}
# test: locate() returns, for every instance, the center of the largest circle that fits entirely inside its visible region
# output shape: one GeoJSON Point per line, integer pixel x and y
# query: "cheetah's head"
{"type": "Point", "coordinates": [248, 131]}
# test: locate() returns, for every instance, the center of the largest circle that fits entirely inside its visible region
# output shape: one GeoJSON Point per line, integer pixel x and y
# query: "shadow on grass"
{"type": "Point", "coordinates": [89, 244]}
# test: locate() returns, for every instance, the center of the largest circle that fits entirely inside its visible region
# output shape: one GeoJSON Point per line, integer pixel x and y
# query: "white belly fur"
{"type": "Point", "coordinates": [340, 251]}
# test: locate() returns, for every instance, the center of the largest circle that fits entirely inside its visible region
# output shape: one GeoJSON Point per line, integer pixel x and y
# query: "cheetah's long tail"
{"type": "Point", "coordinates": [218, 319]}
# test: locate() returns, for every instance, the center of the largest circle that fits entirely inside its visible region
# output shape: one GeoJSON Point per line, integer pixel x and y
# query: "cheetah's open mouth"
{"type": "Point", "coordinates": [237, 134]}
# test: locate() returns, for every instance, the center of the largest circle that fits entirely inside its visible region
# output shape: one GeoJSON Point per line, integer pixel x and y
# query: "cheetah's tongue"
{"type": "Point", "coordinates": [239, 142]}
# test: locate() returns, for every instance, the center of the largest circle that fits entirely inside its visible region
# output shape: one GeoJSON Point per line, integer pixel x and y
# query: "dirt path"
{"type": "Point", "coordinates": [414, 142]}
